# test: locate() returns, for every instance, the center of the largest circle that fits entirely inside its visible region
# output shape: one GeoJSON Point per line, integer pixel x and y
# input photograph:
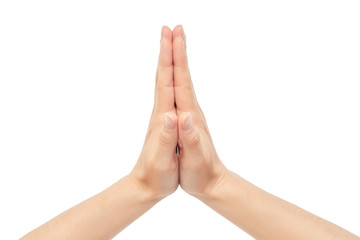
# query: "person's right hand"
{"type": "Point", "coordinates": [156, 172]}
{"type": "Point", "coordinates": [200, 167]}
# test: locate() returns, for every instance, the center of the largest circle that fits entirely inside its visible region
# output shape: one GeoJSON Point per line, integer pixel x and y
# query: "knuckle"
{"type": "Point", "coordinates": [164, 139]}
{"type": "Point", "coordinates": [195, 140]}
{"type": "Point", "coordinates": [186, 86]}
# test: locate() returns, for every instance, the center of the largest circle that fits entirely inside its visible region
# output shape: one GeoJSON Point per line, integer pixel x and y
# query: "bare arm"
{"type": "Point", "coordinates": [100, 217]}
{"type": "Point", "coordinates": [265, 216]}
{"type": "Point", "coordinates": [204, 176]}
{"type": "Point", "coordinates": [154, 176]}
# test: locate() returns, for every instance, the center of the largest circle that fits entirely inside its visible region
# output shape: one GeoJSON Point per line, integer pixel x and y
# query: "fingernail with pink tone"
{"type": "Point", "coordinates": [169, 123]}
{"type": "Point", "coordinates": [187, 124]}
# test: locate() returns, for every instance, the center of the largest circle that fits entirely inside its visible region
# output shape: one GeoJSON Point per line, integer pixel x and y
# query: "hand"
{"type": "Point", "coordinates": [200, 167]}
{"type": "Point", "coordinates": [156, 171]}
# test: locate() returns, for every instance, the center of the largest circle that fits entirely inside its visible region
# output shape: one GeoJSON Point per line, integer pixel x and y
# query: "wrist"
{"type": "Point", "coordinates": [215, 186]}
{"type": "Point", "coordinates": [139, 188]}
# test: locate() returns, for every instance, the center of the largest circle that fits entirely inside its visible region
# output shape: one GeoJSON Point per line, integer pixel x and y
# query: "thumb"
{"type": "Point", "coordinates": [168, 133]}
{"type": "Point", "coordinates": [188, 134]}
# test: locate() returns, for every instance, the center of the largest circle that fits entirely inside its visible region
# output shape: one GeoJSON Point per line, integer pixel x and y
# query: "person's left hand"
{"type": "Point", "coordinates": [201, 170]}
{"type": "Point", "coordinates": [156, 171]}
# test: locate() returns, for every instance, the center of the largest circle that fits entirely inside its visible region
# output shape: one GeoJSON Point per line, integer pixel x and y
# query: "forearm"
{"type": "Point", "coordinates": [99, 217]}
{"type": "Point", "coordinates": [265, 216]}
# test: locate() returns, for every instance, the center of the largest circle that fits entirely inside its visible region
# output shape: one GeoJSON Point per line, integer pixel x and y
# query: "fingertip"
{"type": "Point", "coordinates": [166, 33]}
{"type": "Point", "coordinates": [186, 121]}
{"type": "Point", "coordinates": [165, 57]}
{"type": "Point", "coordinates": [179, 47]}
{"type": "Point", "coordinates": [170, 120]}
{"type": "Point", "coordinates": [188, 134]}
{"type": "Point", "coordinates": [178, 31]}
{"type": "Point", "coordinates": [179, 38]}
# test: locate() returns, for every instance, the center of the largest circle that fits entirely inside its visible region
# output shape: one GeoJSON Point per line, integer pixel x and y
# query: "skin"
{"type": "Point", "coordinates": [154, 176]}
{"type": "Point", "coordinates": [203, 175]}
{"type": "Point", "coordinates": [177, 119]}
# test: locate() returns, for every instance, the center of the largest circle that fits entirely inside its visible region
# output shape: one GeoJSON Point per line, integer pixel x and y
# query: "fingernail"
{"type": "Point", "coordinates": [169, 123]}
{"type": "Point", "coordinates": [187, 124]}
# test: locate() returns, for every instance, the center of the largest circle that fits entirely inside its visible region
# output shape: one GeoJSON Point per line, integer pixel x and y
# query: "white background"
{"type": "Point", "coordinates": [278, 81]}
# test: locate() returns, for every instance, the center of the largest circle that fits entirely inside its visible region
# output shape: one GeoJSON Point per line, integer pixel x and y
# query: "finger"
{"type": "Point", "coordinates": [164, 90]}
{"type": "Point", "coordinates": [189, 136]}
{"type": "Point", "coordinates": [168, 134]}
{"type": "Point", "coordinates": [184, 92]}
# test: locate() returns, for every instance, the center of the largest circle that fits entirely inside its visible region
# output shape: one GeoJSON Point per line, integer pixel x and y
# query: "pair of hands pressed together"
{"type": "Point", "coordinates": [176, 119]}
